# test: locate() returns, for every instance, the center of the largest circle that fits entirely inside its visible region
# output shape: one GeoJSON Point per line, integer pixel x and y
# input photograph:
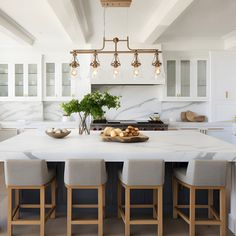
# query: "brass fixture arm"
{"type": "Point", "coordinates": [115, 41]}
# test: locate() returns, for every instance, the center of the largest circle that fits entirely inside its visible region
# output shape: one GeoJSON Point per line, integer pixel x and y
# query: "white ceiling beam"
{"type": "Point", "coordinates": [165, 14]}
{"type": "Point", "coordinates": [230, 40]}
{"type": "Point", "coordinates": [72, 18]}
{"type": "Point", "coordinates": [11, 28]}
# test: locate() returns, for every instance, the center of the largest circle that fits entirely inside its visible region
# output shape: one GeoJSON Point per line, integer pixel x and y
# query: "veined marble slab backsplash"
{"type": "Point", "coordinates": [52, 111]}
{"type": "Point", "coordinates": [172, 110]}
{"type": "Point", "coordinates": [12, 111]}
{"type": "Point", "coordinates": [137, 103]}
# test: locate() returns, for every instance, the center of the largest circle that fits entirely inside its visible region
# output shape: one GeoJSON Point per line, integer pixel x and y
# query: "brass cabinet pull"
{"type": "Point", "coordinates": [226, 94]}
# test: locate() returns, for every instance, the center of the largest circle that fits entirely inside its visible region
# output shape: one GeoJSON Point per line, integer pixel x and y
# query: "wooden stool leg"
{"type": "Point", "coordinates": [192, 211]}
{"type": "Point", "coordinates": [100, 211]}
{"type": "Point", "coordinates": [17, 202]}
{"type": "Point", "coordinates": [119, 202]}
{"type": "Point", "coordinates": [127, 211]}
{"type": "Point", "coordinates": [222, 212]}
{"type": "Point", "coordinates": [154, 213]}
{"type": "Point", "coordinates": [210, 203]}
{"type": "Point", "coordinates": [9, 223]}
{"type": "Point", "coordinates": [160, 211]}
{"type": "Point", "coordinates": [175, 197]}
{"type": "Point", "coordinates": [69, 211]}
{"type": "Point", "coordinates": [53, 196]}
{"type": "Point", "coordinates": [104, 200]}
{"type": "Point", "coordinates": [42, 211]}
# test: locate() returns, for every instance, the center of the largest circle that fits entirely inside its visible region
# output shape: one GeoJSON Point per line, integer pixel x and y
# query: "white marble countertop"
{"type": "Point", "coordinates": [172, 146]}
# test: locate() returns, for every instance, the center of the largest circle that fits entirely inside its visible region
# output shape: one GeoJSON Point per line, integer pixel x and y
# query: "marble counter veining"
{"type": "Point", "coordinates": [172, 146]}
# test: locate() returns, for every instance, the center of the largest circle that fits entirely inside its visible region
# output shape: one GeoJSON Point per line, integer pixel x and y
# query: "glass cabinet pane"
{"type": "Point", "coordinates": [50, 79]}
{"type": "Point", "coordinates": [32, 80]}
{"type": "Point", "coordinates": [171, 78]}
{"type": "Point", "coordinates": [201, 78]}
{"type": "Point", "coordinates": [185, 78]}
{"type": "Point", "coordinates": [3, 80]}
{"type": "Point", "coordinates": [19, 80]}
{"type": "Point", "coordinates": [66, 81]}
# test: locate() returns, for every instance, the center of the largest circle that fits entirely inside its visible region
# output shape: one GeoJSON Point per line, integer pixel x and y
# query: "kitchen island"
{"type": "Point", "coordinates": [172, 146]}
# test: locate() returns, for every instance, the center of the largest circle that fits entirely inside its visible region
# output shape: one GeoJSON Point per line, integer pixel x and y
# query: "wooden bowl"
{"type": "Point", "coordinates": [56, 135]}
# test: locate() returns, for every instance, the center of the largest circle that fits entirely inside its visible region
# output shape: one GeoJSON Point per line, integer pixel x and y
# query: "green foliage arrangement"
{"type": "Point", "coordinates": [93, 103]}
{"type": "Point", "coordinates": [70, 107]}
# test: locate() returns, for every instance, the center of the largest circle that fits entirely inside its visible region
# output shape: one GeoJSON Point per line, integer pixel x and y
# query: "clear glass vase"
{"type": "Point", "coordinates": [84, 126]}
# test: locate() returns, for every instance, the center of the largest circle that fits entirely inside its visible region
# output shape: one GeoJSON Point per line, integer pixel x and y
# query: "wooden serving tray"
{"type": "Point", "coordinates": [133, 139]}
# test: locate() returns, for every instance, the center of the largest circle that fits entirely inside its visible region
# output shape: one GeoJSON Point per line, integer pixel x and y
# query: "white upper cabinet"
{"type": "Point", "coordinates": [223, 76]}
{"type": "Point", "coordinates": [223, 84]}
{"type": "Point", "coordinates": [4, 80]}
{"type": "Point", "coordinates": [21, 80]}
{"type": "Point", "coordinates": [186, 79]}
{"type": "Point", "coordinates": [59, 85]}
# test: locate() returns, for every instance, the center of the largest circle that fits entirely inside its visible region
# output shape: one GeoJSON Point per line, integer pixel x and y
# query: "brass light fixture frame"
{"type": "Point", "coordinates": [116, 3]}
{"type": "Point", "coordinates": [115, 41]}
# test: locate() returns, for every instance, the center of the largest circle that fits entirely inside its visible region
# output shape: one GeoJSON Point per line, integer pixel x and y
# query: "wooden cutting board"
{"type": "Point", "coordinates": [133, 139]}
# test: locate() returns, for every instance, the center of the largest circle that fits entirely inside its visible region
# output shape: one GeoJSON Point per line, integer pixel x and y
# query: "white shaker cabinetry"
{"type": "Point", "coordinates": [223, 85]}
{"type": "Point", "coordinates": [20, 80]}
{"type": "Point", "coordinates": [186, 79]}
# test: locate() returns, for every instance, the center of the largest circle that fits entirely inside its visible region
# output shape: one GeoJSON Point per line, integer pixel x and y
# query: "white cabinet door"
{"type": "Point", "coordinates": [4, 80]}
{"type": "Point", "coordinates": [224, 134]}
{"type": "Point", "coordinates": [187, 80]}
{"type": "Point", "coordinates": [223, 75]}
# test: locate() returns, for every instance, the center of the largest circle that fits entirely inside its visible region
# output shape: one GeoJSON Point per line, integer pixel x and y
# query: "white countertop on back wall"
{"type": "Point", "coordinates": [73, 124]}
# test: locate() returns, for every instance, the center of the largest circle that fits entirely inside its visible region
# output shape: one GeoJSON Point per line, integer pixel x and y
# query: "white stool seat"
{"type": "Point", "coordinates": [203, 173]}
{"type": "Point", "coordinates": [143, 172]}
{"type": "Point", "coordinates": [85, 172]}
{"type": "Point", "coordinates": [27, 173]}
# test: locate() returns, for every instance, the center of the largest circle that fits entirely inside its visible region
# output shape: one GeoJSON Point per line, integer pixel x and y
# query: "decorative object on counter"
{"type": "Point", "coordinates": [190, 116]}
{"type": "Point", "coordinates": [156, 118]}
{"type": "Point", "coordinates": [69, 108]}
{"type": "Point", "coordinates": [92, 104]}
{"type": "Point", "coordinates": [129, 135]}
{"type": "Point", "coordinates": [57, 133]}
{"type": "Point", "coordinates": [115, 62]}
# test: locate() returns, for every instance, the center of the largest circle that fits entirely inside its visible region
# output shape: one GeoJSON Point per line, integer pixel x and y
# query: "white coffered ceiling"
{"type": "Point", "coordinates": [50, 23]}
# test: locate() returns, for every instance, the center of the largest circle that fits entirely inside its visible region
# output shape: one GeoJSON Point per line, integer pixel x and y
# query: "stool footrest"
{"type": "Point", "coordinates": [26, 222]}
{"type": "Point", "coordinates": [84, 222]}
{"type": "Point", "coordinates": [144, 222]}
{"type": "Point", "coordinates": [85, 205]}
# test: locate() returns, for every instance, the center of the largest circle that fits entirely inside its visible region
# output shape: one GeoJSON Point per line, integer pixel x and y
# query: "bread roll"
{"type": "Point", "coordinates": [118, 131]}
{"type": "Point", "coordinates": [107, 131]}
{"type": "Point", "coordinates": [113, 133]}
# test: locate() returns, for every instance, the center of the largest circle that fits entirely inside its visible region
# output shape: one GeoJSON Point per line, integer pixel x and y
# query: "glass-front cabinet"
{"type": "Point", "coordinates": [20, 81]}
{"type": "Point", "coordinates": [27, 81]}
{"type": "Point", "coordinates": [4, 80]}
{"type": "Point", "coordinates": [58, 83]}
{"type": "Point", "coordinates": [186, 79]}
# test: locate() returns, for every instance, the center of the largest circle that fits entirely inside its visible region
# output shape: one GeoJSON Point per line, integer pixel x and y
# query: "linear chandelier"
{"type": "Point", "coordinates": [115, 63]}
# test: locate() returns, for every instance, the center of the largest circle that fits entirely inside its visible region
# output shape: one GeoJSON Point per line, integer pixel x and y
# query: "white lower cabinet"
{"type": "Point", "coordinates": [222, 133]}
{"type": "Point", "coordinates": [7, 133]}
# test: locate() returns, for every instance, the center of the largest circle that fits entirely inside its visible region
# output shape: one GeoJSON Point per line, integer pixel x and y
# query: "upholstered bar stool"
{"type": "Point", "coordinates": [142, 174]}
{"type": "Point", "coordinates": [201, 174]}
{"type": "Point", "coordinates": [31, 175]}
{"type": "Point", "coordinates": [85, 174]}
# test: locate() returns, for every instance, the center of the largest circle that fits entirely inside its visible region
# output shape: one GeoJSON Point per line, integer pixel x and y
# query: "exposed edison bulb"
{"type": "Point", "coordinates": [94, 72]}
{"type": "Point", "coordinates": [74, 72]}
{"type": "Point", "coordinates": [115, 72]}
{"type": "Point", "coordinates": [157, 71]}
{"type": "Point", "coordinates": [136, 72]}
